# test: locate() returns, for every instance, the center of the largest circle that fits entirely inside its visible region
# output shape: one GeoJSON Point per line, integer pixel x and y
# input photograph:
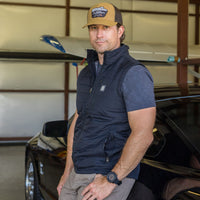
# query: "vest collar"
{"type": "Point", "coordinates": [110, 57]}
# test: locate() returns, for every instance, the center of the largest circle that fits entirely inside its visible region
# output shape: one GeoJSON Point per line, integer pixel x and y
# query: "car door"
{"type": "Point", "coordinates": [54, 168]}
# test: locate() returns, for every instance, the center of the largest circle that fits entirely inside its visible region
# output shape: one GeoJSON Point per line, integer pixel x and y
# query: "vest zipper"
{"type": "Point", "coordinates": [106, 155]}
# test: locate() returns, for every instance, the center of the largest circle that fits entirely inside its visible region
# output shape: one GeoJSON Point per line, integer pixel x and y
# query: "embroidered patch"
{"type": "Point", "coordinates": [103, 87]}
{"type": "Point", "coordinates": [99, 12]}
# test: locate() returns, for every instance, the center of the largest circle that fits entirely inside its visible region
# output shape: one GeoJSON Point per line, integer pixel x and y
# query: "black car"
{"type": "Point", "coordinates": [170, 168]}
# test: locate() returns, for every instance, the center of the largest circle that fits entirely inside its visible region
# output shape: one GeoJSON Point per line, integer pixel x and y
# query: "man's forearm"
{"type": "Point", "coordinates": [69, 163]}
{"type": "Point", "coordinates": [132, 154]}
{"type": "Point", "coordinates": [141, 123]}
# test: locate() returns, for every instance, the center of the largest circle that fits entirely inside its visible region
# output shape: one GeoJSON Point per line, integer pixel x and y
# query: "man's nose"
{"type": "Point", "coordinates": [99, 32]}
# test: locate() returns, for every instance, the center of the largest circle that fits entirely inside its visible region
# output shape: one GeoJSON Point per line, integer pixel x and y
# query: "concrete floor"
{"type": "Point", "coordinates": [12, 172]}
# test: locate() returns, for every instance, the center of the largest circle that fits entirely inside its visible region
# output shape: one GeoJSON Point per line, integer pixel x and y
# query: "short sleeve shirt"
{"type": "Point", "coordinates": [138, 89]}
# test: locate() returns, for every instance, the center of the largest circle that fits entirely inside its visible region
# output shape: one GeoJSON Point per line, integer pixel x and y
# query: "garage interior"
{"type": "Point", "coordinates": [34, 90]}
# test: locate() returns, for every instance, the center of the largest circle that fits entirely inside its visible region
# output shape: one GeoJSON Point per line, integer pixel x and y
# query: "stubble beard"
{"type": "Point", "coordinates": [100, 49]}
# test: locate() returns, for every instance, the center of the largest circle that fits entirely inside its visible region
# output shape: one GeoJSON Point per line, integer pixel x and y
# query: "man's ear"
{"type": "Point", "coordinates": [121, 30]}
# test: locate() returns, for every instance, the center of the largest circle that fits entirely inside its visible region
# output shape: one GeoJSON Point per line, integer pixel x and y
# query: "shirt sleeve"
{"type": "Point", "coordinates": [138, 89]}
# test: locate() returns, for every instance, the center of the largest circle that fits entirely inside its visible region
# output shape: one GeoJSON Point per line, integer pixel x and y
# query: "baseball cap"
{"type": "Point", "coordinates": [104, 13]}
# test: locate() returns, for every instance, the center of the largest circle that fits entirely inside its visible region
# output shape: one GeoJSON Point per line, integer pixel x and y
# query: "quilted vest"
{"type": "Point", "coordinates": [102, 127]}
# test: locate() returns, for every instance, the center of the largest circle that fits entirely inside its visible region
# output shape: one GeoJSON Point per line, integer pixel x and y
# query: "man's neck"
{"type": "Point", "coordinates": [101, 57]}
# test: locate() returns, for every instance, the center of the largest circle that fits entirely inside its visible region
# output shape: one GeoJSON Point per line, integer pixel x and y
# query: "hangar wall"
{"type": "Point", "coordinates": [24, 104]}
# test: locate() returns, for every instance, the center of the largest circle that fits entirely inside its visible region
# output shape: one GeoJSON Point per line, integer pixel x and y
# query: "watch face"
{"type": "Point", "coordinates": [112, 176]}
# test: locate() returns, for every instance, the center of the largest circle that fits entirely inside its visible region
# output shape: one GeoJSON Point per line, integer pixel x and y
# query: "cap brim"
{"type": "Point", "coordinates": [100, 21]}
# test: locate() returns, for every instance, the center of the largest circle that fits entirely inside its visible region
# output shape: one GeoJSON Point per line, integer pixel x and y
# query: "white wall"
{"type": "Point", "coordinates": [22, 114]}
{"type": "Point", "coordinates": [22, 26]}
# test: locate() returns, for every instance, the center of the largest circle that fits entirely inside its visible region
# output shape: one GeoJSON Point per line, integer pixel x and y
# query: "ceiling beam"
{"type": "Point", "coordinates": [175, 1]}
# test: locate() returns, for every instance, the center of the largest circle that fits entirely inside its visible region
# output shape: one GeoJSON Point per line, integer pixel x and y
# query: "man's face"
{"type": "Point", "coordinates": [105, 38]}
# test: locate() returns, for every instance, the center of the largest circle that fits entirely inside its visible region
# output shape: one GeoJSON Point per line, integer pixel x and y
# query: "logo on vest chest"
{"type": "Point", "coordinates": [102, 88]}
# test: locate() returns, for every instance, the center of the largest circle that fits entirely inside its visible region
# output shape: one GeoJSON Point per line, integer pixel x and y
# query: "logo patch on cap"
{"type": "Point", "coordinates": [99, 12]}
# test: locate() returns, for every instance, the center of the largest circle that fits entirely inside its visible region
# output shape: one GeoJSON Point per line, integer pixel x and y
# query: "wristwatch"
{"type": "Point", "coordinates": [112, 178]}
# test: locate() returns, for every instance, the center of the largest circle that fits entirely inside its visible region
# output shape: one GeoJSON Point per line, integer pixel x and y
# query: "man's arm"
{"type": "Point", "coordinates": [141, 123]}
{"type": "Point", "coordinates": [69, 163]}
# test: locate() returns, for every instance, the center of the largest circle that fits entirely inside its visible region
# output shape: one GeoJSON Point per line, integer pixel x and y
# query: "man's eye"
{"type": "Point", "coordinates": [93, 27]}
{"type": "Point", "coordinates": [106, 27]}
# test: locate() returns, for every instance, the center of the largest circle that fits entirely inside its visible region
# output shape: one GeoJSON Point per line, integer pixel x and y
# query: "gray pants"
{"type": "Point", "coordinates": [76, 183]}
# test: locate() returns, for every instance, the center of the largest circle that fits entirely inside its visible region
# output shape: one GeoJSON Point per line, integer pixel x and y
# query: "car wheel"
{"type": "Point", "coordinates": [31, 183]}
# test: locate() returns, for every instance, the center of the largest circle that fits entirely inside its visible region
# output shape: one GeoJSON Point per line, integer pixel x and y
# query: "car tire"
{"type": "Point", "coordinates": [32, 191]}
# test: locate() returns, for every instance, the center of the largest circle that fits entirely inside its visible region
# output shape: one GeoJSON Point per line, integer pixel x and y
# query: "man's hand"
{"type": "Point", "coordinates": [61, 183]}
{"type": "Point", "coordinates": [99, 189]}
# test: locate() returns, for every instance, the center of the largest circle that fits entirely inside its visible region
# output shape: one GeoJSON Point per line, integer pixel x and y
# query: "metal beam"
{"type": "Point", "coordinates": [196, 67]}
{"type": "Point", "coordinates": [66, 100]}
{"type": "Point", "coordinates": [175, 1]}
{"type": "Point", "coordinates": [194, 61]}
{"type": "Point", "coordinates": [31, 5]}
{"type": "Point", "coordinates": [182, 43]}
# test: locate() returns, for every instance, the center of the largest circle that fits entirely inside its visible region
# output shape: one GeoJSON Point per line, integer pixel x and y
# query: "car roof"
{"type": "Point", "coordinates": [165, 93]}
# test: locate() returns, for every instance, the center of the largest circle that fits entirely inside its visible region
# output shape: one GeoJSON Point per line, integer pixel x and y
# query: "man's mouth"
{"type": "Point", "coordinates": [100, 41]}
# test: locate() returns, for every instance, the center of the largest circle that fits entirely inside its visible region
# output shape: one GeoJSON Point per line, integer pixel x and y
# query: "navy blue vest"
{"type": "Point", "coordinates": [102, 127]}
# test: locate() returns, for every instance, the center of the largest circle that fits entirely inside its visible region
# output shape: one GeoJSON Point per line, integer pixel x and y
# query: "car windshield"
{"type": "Point", "coordinates": [183, 115]}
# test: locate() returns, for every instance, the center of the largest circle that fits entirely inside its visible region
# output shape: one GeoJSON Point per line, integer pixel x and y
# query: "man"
{"type": "Point", "coordinates": [112, 127]}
